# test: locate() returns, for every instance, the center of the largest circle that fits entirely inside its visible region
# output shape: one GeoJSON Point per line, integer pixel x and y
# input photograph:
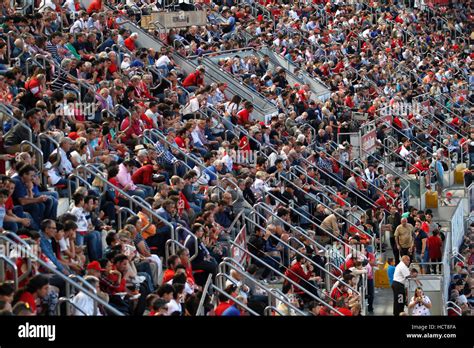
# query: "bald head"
{"type": "Point", "coordinates": [406, 260]}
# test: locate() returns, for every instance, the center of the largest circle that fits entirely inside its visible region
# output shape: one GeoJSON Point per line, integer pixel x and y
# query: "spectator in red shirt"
{"type": "Point", "coordinates": [133, 130]}
{"type": "Point", "coordinates": [434, 249]}
{"type": "Point", "coordinates": [15, 218]}
{"type": "Point", "coordinates": [95, 6]}
{"type": "Point", "coordinates": [36, 289]}
{"type": "Point", "coordinates": [130, 42]}
{"type": "Point", "coordinates": [117, 277]}
{"type": "Point", "coordinates": [342, 197]}
{"type": "Point", "coordinates": [172, 262]}
{"type": "Point", "coordinates": [298, 275]}
{"type": "Point", "coordinates": [184, 259]}
{"type": "Point", "coordinates": [194, 80]}
{"type": "Point", "coordinates": [243, 116]}
{"type": "Point", "coordinates": [225, 306]}
{"type": "Point", "coordinates": [341, 291]}
{"type": "Point", "coordinates": [144, 175]}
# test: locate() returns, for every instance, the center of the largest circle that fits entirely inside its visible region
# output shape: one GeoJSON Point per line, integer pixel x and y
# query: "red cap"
{"type": "Point", "coordinates": [95, 265]}
{"type": "Point", "coordinates": [73, 135]}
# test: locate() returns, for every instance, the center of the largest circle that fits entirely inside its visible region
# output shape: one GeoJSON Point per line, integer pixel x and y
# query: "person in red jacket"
{"type": "Point", "coordinates": [36, 289]}
{"type": "Point", "coordinates": [341, 291]}
{"type": "Point", "coordinates": [130, 42]}
{"type": "Point", "coordinates": [194, 80]}
{"type": "Point", "coordinates": [434, 249]}
{"type": "Point", "coordinates": [298, 275]}
{"type": "Point", "coordinates": [243, 116]}
{"type": "Point", "coordinates": [95, 6]}
{"type": "Point", "coordinates": [132, 131]}
{"type": "Point", "coordinates": [144, 175]}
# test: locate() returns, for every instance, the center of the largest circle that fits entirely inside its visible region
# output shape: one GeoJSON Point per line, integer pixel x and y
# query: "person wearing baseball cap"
{"type": "Point", "coordinates": [94, 269]}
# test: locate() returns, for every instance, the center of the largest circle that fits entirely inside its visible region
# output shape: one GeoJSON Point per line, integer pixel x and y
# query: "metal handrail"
{"type": "Point", "coordinates": [99, 176]}
{"type": "Point", "coordinates": [286, 278]}
{"type": "Point", "coordinates": [267, 289]}
{"type": "Point", "coordinates": [296, 251]}
{"type": "Point", "coordinates": [233, 299]}
{"type": "Point", "coordinates": [37, 150]}
{"type": "Point", "coordinates": [341, 181]}
{"type": "Point", "coordinates": [119, 215]}
{"type": "Point", "coordinates": [301, 171]}
{"type": "Point", "coordinates": [11, 237]}
{"type": "Point", "coordinates": [294, 211]}
{"type": "Point", "coordinates": [69, 302]}
{"type": "Point", "coordinates": [4, 258]}
{"type": "Point", "coordinates": [78, 178]}
{"type": "Point", "coordinates": [190, 234]}
{"type": "Point", "coordinates": [200, 309]}
{"type": "Point", "coordinates": [268, 311]}
{"type": "Point", "coordinates": [85, 284]}
{"type": "Point", "coordinates": [168, 243]}
{"type": "Point", "coordinates": [326, 206]}
{"type": "Point", "coordinates": [121, 107]}
{"type": "Point", "coordinates": [69, 281]}
{"type": "Point", "coordinates": [9, 113]}
{"type": "Point", "coordinates": [455, 309]}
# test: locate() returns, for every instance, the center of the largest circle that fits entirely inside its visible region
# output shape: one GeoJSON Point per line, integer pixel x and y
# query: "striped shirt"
{"type": "Point", "coordinates": [53, 50]}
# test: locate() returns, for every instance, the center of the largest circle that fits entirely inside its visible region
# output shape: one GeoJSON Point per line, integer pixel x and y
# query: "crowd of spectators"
{"type": "Point", "coordinates": [146, 152]}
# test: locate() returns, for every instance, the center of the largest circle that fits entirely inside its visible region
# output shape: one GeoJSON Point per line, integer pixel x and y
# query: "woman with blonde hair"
{"type": "Point", "coordinates": [420, 304]}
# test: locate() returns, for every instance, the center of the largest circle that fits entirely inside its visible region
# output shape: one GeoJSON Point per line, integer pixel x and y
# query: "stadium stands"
{"type": "Point", "coordinates": [261, 163]}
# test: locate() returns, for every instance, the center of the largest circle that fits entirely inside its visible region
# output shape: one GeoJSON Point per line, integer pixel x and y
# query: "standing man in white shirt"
{"type": "Point", "coordinates": [402, 273]}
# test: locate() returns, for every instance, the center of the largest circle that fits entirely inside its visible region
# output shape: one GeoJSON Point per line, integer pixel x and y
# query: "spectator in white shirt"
{"type": "Point", "coordinates": [398, 285]}
{"type": "Point", "coordinates": [420, 303]}
{"type": "Point", "coordinates": [80, 24]}
{"type": "Point", "coordinates": [83, 303]}
{"type": "Point", "coordinates": [65, 167]}
{"type": "Point", "coordinates": [153, 114]}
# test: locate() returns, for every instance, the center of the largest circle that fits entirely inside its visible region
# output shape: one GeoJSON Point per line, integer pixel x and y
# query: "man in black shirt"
{"type": "Point", "coordinates": [394, 219]}
{"type": "Point", "coordinates": [413, 214]}
{"type": "Point", "coordinates": [421, 251]}
{"type": "Point", "coordinates": [257, 246]}
{"type": "Point", "coordinates": [80, 44]}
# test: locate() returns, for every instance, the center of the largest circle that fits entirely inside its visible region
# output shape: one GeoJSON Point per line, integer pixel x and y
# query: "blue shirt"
{"type": "Point", "coordinates": [232, 311]}
{"type": "Point", "coordinates": [439, 169]}
{"type": "Point", "coordinates": [211, 172]}
{"type": "Point", "coordinates": [390, 273]}
{"type": "Point", "coordinates": [231, 22]}
{"type": "Point", "coordinates": [20, 190]}
{"type": "Point", "coordinates": [137, 63]}
{"type": "Point", "coordinates": [47, 249]}
{"type": "Point", "coordinates": [2, 215]}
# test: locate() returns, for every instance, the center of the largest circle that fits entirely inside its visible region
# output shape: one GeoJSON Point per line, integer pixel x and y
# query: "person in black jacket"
{"type": "Point", "coordinates": [394, 219]}
{"type": "Point", "coordinates": [202, 260]}
{"type": "Point", "coordinates": [257, 245]}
